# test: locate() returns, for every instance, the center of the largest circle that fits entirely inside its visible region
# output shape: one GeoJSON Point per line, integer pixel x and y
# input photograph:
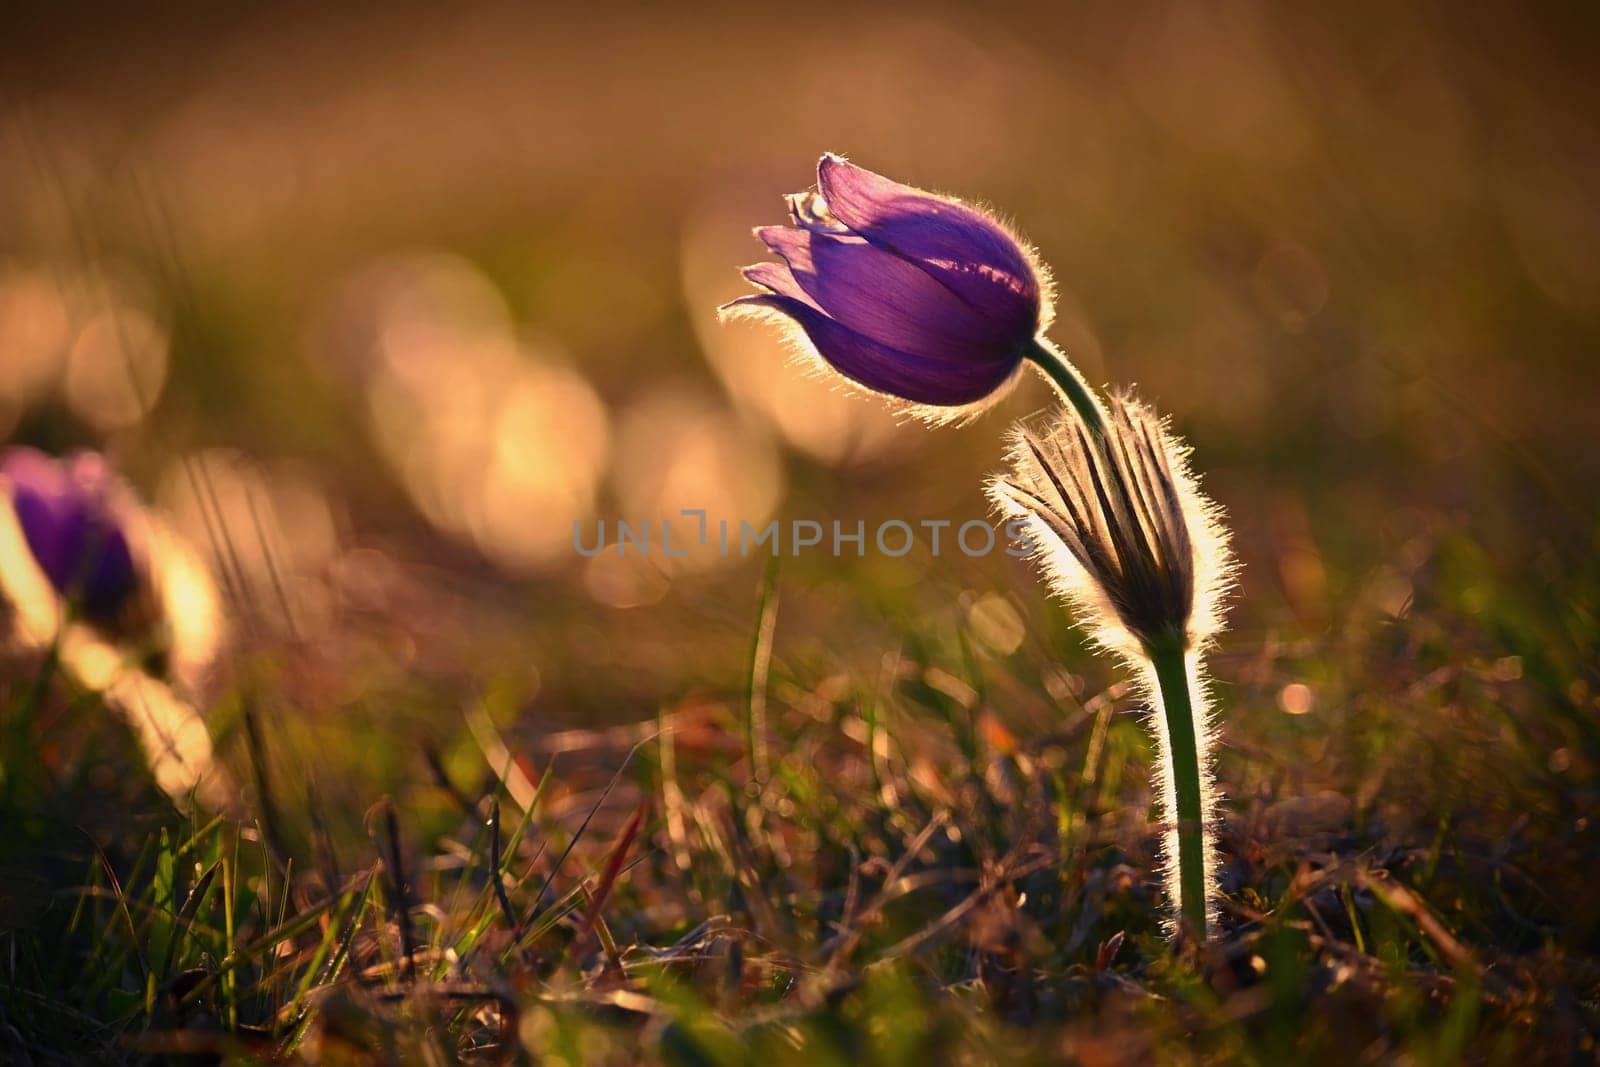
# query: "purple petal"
{"type": "Point", "coordinates": [919, 379]}
{"type": "Point", "coordinates": [777, 278]}
{"type": "Point", "coordinates": [66, 514]}
{"type": "Point", "coordinates": [885, 298]}
{"type": "Point", "coordinates": [965, 249]}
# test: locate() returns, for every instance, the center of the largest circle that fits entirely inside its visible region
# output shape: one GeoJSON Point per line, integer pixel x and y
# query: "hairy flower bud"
{"type": "Point", "coordinates": [1126, 538]}
{"type": "Point", "coordinates": [1124, 534]}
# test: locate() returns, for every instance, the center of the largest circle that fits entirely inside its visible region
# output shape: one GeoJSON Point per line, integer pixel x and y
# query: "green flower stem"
{"type": "Point", "coordinates": [1172, 682]}
{"type": "Point", "coordinates": [1077, 392]}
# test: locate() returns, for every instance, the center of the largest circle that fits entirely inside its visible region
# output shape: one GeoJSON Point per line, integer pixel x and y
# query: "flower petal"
{"type": "Point", "coordinates": [963, 248]}
{"type": "Point", "coordinates": [64, 510]}
{"type": "Point", "coordinates": [880, 367]}
{"type": "Point", "coordinates": [777, 278]}
{"type": "Point", "coordinates": [883, 297]}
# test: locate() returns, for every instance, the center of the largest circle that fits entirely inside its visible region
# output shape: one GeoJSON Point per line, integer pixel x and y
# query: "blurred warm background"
{"type": "Point", "coordinates": [376, 302]}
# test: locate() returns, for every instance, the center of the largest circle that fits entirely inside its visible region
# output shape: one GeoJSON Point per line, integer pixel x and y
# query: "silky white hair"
{"type": "Point", "coordinates": [1124, 536]}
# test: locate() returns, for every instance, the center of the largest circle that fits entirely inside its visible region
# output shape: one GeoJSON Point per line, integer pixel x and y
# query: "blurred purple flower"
{"type": "Point", "coordinates": [902, 291]}
{"type": "Point", "coordinates": [70, 514]}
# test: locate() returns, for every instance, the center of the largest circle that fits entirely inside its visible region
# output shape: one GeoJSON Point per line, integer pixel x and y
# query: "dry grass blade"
{"type": "Point", "coordinates": [395, 865]}
{"type": "Point", "coordinates": [561, 861]}
{"type": "Point", "coordinates": [608, 880]}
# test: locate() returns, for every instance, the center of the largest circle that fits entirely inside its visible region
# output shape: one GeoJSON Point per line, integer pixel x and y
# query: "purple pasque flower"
{"type": "Point", "coordinates": [72, 514]}
{"type": "Point", "coordinates": [902, 291]}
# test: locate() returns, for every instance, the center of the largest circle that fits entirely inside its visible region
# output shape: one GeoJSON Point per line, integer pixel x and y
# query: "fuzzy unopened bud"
{"type": "Point", "coordinates": [1126, 538]}
{"type": "Point", "coordinates": [1123, 532]}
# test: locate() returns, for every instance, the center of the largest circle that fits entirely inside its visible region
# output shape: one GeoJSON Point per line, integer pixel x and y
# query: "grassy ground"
{"type": "Point", "coordinates": [947, 859]}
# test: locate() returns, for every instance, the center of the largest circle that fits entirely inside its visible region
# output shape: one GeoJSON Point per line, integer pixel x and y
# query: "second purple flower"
{"type": "Point", "coordinates": [68, 511]}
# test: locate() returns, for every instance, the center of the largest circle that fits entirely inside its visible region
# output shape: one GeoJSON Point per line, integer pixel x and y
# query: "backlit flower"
{"type": "Point", "coordinates": [904, 292]}
{"type": "Point", "coordinates": [126, 610]}
{"type": "Point", "coordinates": [70, 512]}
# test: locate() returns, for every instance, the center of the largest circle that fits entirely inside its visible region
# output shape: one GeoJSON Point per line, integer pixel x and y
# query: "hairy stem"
{"type": "Point", "coordinates": [1077, 392]}
{"type": "Point", "coordinates": [1183, 752]}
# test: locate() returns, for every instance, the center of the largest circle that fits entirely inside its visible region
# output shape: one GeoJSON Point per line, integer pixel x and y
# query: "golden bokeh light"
{"type": "Point", "coordinates": [269, 532]}
{"type": "Point", "coordinates": [1296, 698]}
{"type": "Point", "coordinates": [35, 329]}
{"type": "Point", "coordinates": [116, 369]}
{"type": "Point", "coordinates": [495, 442]}
{"type": "Point", "coordinates": [36, 613]}
{"type": "Point", "coordinates": [680, 449]}
{"type": "Point", "coordinates": [548, 442]}
{"type": "Point", "coordinates": [191, 606]}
